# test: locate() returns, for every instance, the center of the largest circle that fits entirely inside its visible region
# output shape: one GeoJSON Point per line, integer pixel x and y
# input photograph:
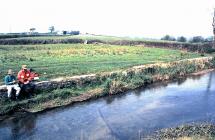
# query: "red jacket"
{"type": "Point", "coordinates": [24, 76]}
{"type": "Point", "coordinates": [33, 75]}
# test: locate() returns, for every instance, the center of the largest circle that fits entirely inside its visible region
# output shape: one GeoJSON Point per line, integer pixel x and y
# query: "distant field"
{"type": "Point", "coordinates": [91, 37]}
{"type": "Point", "coordinates": [56, 60]}
{"type": "Point", "coordinates": [76, 37]}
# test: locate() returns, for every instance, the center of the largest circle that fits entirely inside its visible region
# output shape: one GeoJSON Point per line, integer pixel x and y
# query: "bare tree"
{"type": "Point", "coordinates": [51, 28]}
{"type": "Point", "coordinates": [213, 24]}
{"type": "Point", "coordinates": [210, 77]}
{"type": "Point", "coordinates": [32, 30]}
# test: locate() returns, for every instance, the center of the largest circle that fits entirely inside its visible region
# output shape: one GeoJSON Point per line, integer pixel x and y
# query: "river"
{"type": "Point", "coordinates": [132, 115]}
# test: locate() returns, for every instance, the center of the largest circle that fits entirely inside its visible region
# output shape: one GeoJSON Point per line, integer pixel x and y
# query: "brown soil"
{"type": "Point", "coordinates": [202, 72]}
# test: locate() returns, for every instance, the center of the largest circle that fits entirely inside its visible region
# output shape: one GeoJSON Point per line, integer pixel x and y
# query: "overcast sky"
{"type": "Point", "coordinates": [136, 18]}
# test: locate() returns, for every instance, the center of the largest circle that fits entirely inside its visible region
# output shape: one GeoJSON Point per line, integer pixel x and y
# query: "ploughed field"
{"type": "Point", "coordinates": [57, 60]}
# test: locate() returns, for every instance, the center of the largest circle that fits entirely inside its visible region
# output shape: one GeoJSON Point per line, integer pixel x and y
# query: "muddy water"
{"type": "Point", "coordinates": [129, 116]}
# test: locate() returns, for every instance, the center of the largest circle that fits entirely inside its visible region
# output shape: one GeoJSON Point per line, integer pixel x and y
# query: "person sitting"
{"type": "Point", "coordinates": [24, 77]}
{"type": "Point", "coordinates": [10, 82]}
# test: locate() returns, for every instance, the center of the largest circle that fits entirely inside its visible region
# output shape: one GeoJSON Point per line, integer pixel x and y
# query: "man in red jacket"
{"type": "Point", "coordinates": [24, 78]}
{"type": "Point", "coordinates": [24, 75]}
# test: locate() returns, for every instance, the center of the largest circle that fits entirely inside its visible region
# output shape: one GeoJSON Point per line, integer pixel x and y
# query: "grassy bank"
{"type": "Point", "coordinates": [45, 99]}
{"type": "Point", "coordinates": [106, 84]}
{"type": "Point", "coordinates": [204, 131]}
{"type": "Point", "coordinates": [56, 60]}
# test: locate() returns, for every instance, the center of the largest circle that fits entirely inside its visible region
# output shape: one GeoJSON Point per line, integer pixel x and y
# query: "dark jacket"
{"type": "Point", "coordinates": [9, 79]}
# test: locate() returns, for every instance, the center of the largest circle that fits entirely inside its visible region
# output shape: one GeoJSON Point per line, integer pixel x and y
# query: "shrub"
{"type": "Point", "coordinates": [181, 39]}
{"type": "Point", "coordinates": [168, 38]}
{"type": "Point", "coordinates": [197, 39]}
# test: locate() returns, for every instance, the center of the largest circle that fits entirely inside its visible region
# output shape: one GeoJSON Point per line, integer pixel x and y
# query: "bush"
{"type": "Point", "coordinates": [197, 39]}
{"type": "Point", "coordinates": [210, 50]}
{"type": "Point", "coordinates": [74, 32]}
{"type": "Point", "coordinates": [168, 38]}
{"type": "Point", "coordinates": [209, 39]}
{"type": "Point", "coordinates": [181, 39]}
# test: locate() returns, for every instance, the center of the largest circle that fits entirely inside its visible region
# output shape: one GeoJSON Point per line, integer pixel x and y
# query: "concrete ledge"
{"type": "Point", "coordinates": [3, 87]}
{"type": "Point", "coordinates": [60, 82]}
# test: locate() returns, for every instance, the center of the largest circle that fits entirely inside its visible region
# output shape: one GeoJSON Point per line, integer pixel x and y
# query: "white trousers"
{"type": "Point", "coordinates": [10, 87]}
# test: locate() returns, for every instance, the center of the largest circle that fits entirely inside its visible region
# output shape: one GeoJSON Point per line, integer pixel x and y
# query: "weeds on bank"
{"type": "Point", "coordinates": [8, 105]}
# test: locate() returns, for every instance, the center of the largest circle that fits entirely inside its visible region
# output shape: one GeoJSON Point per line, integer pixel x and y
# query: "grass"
{"type": "Point", "coordinates": [85, 37]}
{"type": "Point", "coordinates": [107, 38]}
{"type": "Point", "coordinates": [43, 99]}
{"type": "Point", "coordinates": [200, 131]}
{"type": "Point", "coordinates": [94, 37]}
{"type": "Point", "coordinates": [62, 60]}
{"type": "Point", "coordinates": [57, 60]}
{"type": "Point", "coordinates": [196, 138]}
{"type": "Point", "coordinates": [113, 83]}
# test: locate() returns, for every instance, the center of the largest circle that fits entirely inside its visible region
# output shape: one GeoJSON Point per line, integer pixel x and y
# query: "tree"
{"type": "Point", "coordinates": [169, 38]}
{"type": "Point", "coordinates": [64, 32]}
{"type": "Point", "coordinates": [32, 30]}
{"type": "Point", "coordinates": [209, 39]}
{"type": "Point", "coordinates": [74, 32]}
{"type": "Point", "coordinates": [197, 39]}
{"type": "Point", "coordinates": [181, 39]}
{"type": "Point", "coordinates": [51, 28]}
{"type": "Point", "coordinates": [213, 24]}
{"type": "Point", "coordinates": [166, 37]}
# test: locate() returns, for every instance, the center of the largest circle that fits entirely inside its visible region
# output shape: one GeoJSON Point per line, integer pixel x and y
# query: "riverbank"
{"type": "Point", "coordinates": [61, 92]}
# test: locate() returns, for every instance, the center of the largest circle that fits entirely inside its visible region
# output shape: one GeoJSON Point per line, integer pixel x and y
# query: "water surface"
{"type": "Point", "coordinates": [126, 116]}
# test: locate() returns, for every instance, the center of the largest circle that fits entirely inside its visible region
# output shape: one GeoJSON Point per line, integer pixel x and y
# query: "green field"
{"type": "Point", "coordinates": [61, 60]}
{"type": "Point", "coordinates": [99, 37]}
{"type": "Point", "coordinates": [93, 37]}
{"type": "Point", "coordinates": [87, 37]}
{"type": "Point", "coordinates": [56, 60]}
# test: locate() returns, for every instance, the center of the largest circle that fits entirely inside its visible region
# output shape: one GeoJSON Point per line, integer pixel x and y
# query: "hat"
{"type": "Point", "coordinates": [24, 66]}
{"type": "Point", "coordinates": [10, 71]}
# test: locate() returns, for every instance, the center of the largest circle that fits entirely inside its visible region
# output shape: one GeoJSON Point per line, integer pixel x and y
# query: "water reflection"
{"type": "Point", "coordinates": [137, 92]}
{"type": "Point", "coordinates": [181, 81]}
{"type": "Point", "coordinates": [109, 100]}
{"type": "Point", "coordinates": [209, 82]}
{"type": "Point", "coordinates": [113, 98]}
{"type": "Point", "coordinates": [20, 126]}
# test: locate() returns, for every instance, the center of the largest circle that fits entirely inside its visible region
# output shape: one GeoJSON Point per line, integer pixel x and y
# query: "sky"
{"type": "Point", "coordinates": [134, 18]}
